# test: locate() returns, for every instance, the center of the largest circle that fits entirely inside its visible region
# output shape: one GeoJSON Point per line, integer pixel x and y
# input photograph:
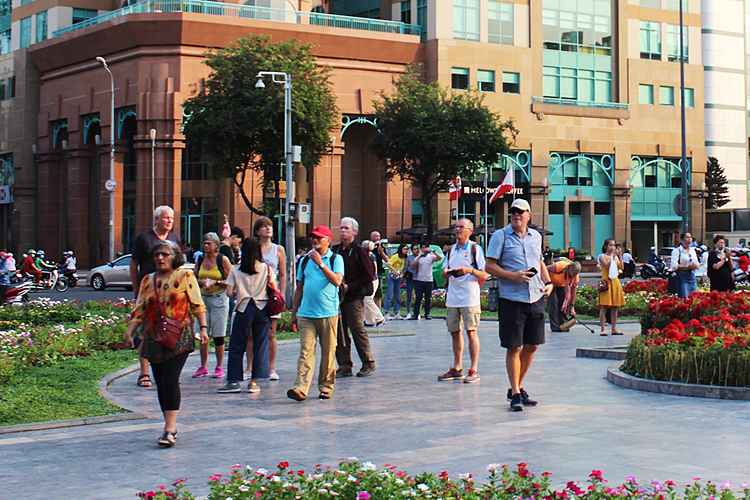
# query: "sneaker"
{"type": "Point", "coordinates": [381, 322]}
{"type": "Point", "coordinates": [515, 403]}
{"type": "Point", "coordinates": [365, 371]}
{"type": "Point", "coordinates": [471, 377]}
{"type": "Point", "coordinates": [324, 395]}
{"type": "Point", "coordinates": [452, 375]}
{"type": "Point", "coordinates": [201, 372]}
{"type": "Point", "coordinates": [273, 376]}
{"type": "Point", "coordinates": [408, 316]}
{"type": "Point", "coordinates": [344, 371]}
{"type": "Point", "coordinates": [524, 398]}
{"type": "Point", "coordinates": [218, 373]}
{"type": "Point", "coordinates": [247, 376]}
{"type": "Point", "coordinates": [398, 316]}
{"type": "Point", "coordinates": [388, 317]}
{"type": "Point", "coordinates": [427, 317]}
{"type": "Point", "coordinates": [295, 395]}
{"type": "Point", "coordinates": [253, 388]}
{"type": "Point", "coordinates": [412, 318]}
{"type": "Point", "coordinates": [230, 387]}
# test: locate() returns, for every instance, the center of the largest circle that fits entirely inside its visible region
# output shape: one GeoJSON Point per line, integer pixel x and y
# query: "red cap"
{"type": "Point", "coordinates": [321, 231]}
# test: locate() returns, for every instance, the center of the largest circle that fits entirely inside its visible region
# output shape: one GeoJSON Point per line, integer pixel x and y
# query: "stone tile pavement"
{"type": "Point", "coordinates": [400, 415]}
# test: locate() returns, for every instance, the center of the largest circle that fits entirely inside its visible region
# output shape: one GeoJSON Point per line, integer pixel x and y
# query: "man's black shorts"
{"type": "Point", "coordinates": [521, 323]}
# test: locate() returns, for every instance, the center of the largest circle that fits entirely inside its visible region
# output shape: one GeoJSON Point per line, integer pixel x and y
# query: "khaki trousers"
{"type": "Point", "coordinates": [310, 330]}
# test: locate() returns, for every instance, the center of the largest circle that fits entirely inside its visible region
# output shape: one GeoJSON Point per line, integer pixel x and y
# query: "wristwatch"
{"type": "Point", "coordinates": [322, 265]}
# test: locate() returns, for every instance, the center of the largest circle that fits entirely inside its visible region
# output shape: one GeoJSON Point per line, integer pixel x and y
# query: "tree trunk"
{"type": "Point", "coordinates": [241, 187]}
{"type": "Point", "coordinates": [427, 209]}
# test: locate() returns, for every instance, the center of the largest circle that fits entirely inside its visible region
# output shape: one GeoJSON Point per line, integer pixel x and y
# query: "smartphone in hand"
{"type": "Point", "coordinates": [532, 270]}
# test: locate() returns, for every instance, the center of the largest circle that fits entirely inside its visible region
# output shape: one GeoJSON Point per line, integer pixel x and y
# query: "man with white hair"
{"type": "Point", "coordinates": [141, 265]}
{"type": "Point", "coordinates": [358, 277]}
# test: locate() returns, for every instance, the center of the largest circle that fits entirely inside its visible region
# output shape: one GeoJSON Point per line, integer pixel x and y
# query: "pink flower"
{"type": "Point", "coordinates": [363, 495]}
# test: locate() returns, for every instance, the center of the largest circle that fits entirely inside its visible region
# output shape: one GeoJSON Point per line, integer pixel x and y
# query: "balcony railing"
{"type": "Point", "coordinates": [248, 12]}
{"type": "Point", "coordinates": [581, 104]}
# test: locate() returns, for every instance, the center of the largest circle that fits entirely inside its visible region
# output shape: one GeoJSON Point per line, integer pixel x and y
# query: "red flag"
{"type": "Point", "coordinates": [455, 189]}
{"type": "Point", "coordinates": [506, 186]}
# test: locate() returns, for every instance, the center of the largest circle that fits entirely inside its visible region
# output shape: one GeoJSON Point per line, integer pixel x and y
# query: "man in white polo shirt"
{"type": "Point", "coordinates": [463, 268]}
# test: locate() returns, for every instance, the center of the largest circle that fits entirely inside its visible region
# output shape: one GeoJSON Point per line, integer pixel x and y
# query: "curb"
{"type": "Point", "coordinates": [620, 379]}
{"type": "Point", "coordinates": [616, 352]}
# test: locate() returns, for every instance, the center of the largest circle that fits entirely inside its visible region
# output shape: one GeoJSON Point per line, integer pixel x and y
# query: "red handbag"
{"type": "Point", "coordinates": [275, 300]}
{"type": "Point", "coordinates": [168, 330]}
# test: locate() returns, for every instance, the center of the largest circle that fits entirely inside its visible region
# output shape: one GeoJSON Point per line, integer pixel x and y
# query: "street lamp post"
{"type": "Point", "coordinates": [702, 196]}
{"type": "Point", "coordinates": [153, 170]}
{"type": "Point", "coordinates": [684, 206]}
{"type": "Point", "coordinates": [286, 80]}
{"type": "Point", "coordinates": [544, 204]}
{"type": "Point", "coordinates": [110, 184]}
{"type": "Point", "coordinates": [626, 193]}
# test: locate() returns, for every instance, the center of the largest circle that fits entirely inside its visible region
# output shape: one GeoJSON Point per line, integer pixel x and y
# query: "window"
{"type": "Point", "coordinates": [356, 8]}
{"type": "Point", "coordinates": [577, 55]}
{"type": "Point", "coordinates": [675, 5]}
{"type": "Point", "coordinates": [673, 42]}
{"type": "Point", "coordinates": [128, 224]}
{"type": "Point", "coordinates": [511, 83]}
{"type": "Point", "coordinates": [80, 15]}
{"type": "Point", "coordinates": [197, 217]}
{"type": "Point", "coordinates": [650, 40]}
{"type": "Point", "coordinates": [460, 78]}
{"type": "Point", "coordinates": [486, 80]}
{"type": "Point", "coordinates": [11, 87]}
{"type": "Point", "coordinates": [689, 98]}
{"type": "Point", "coordinates": [645, 94]}
{"type": "Point", "coordinates": [25, 32]}
{"type": "Point", "coordinates": [196, 166]}
{"type": "Point", "coordinates": [654, 4]}
{"type": "Point", "coordinates": [2, 90]}
{"type": "Point", "coordinates": [5, 19]}
{"type": "Point", "coordinates": [422, 19]}
{"type": "Point", "coordinates": [41, 26]}
{"type": "Point", "coordinates": [466, 20]}
{"type": "Point", "coordinates": [500, 22]}
{"type": "Point", "coordinates": [406, 12]}
{"type": "Point", "coordinates": [570, 169]}
{"type": "Point", "coordinates": [666, 96]}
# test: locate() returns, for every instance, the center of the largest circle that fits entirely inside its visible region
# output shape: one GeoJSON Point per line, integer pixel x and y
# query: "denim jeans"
{"type": "Point", "coordinates": [409, 288]}
{"type": "Point", "coordinates": [687, 283]}
{"type": "Point", "coordinates": [423, 288]}
{"type": "Point", "coordinates": [393, 295]}
{"type": "Point", "coordinates": [259, 322]}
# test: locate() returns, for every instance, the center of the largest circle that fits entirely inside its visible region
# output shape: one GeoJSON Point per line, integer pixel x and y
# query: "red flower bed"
{"type": "Point", "coordinates": [657, 286]}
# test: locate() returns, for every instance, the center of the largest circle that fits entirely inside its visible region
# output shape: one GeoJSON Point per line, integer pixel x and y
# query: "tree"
{"type": "Point", "coordinates": [242, 128]}
{"type": "Point", "coordinates": [716, 184]}
{"type": "Point", "coordinates": [428, 136]}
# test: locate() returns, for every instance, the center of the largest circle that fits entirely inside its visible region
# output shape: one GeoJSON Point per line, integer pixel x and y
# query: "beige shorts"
{"type": "Point", "coordinates": [469, 316]}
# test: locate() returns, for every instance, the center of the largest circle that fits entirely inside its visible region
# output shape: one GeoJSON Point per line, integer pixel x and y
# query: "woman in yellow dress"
{"type": "Point", "coordinates": [610, 262]}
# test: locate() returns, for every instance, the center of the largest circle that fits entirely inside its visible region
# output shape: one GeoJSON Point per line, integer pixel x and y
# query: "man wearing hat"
{"type": "Point", "coordinates": [515, 257]}
{"type": "Point", "coordinates": [29, 266]}
{"type": "Point", "coordinates": [315, 311]}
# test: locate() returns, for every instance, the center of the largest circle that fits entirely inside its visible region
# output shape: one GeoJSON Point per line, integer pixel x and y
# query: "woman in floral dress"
{"type": "Point", "coordinates": [175, 293]}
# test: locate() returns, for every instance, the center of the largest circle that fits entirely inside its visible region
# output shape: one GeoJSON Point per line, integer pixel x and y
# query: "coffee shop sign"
{"type": "Point", "coordinates": [480, 190]}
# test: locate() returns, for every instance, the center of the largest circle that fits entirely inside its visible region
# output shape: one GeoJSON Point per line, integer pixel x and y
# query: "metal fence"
{"type": "Point", "coordinates": [248, 12]}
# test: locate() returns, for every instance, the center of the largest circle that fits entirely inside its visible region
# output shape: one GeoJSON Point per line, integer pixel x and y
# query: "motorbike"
{"type": "Point", "coordinates": [67, 279]}
{"type": "Point", "coordinates": [16, 293]}
{"type": "Point", "coordinates": [50, 280]}
{"type": "Point", "coordinates": [660, 270]}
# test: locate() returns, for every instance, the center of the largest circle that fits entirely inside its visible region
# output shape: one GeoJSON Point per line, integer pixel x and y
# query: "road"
{"type": "Point", "coordinates": [85, 294]}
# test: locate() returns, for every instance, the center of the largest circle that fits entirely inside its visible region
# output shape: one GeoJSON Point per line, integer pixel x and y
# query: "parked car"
{"type": "Point", "coordinates": [116, 273]}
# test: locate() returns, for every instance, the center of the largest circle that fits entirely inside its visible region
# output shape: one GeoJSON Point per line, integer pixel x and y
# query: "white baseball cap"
{"type": "Point", "coordinates": [520, 204]}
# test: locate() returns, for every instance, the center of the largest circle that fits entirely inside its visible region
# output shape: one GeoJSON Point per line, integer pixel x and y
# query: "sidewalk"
{"type": "Point", "coordinates": [400, 415]}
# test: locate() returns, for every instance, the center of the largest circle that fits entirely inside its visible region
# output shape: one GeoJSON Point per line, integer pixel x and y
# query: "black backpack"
{"type": "Point", "coordinates": [219, 263]}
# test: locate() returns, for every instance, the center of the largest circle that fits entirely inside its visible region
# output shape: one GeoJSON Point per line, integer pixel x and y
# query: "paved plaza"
{"type": "Point", "coordinates": [400, 415]}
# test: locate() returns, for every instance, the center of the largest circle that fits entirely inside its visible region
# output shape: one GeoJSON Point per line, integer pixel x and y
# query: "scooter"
{"type": "Point", "coordinates": [65, 280]}
{"type": "Point", "coordinates": [47, 283]}
{"type": "Point", "coordinates": [660, 270]}
{"type": "Point", "coordinates": [16, 293]}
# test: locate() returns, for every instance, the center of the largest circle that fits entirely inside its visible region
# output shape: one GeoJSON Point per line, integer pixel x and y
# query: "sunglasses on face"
{"type": "Point", "coordinates": [516, 211]}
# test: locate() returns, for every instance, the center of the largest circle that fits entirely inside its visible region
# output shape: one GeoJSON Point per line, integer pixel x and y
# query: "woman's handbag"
{"type": "Point", "coordinates": [275, 300]}
{"type": "Point", "coordinates": [168, 330]}
{"type": "Point", "coordinates": [603, 285]}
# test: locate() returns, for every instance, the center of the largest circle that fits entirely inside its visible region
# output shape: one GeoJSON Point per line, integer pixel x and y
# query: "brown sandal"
{"type": "Point", "coordinates": [144, 381]}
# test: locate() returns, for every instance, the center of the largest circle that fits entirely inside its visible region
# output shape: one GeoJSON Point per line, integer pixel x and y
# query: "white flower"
{"type": "Point", "coordinates": [423, 487]}
{"type": "Point", "coordinates": [492, 467]}
{"type": "Point", "coordinates": [351, 479]}
{"type": "Point", "coordinates": [249, 469]}
{"type": "Point", "coordinates": [309, 478]}
{"type": "Point", "coordinates": [726, 486]}
{"type": "Point", "coordinates": [323, 490]}
{"type": "Point", "coordinates": [261, 472]}
{"type": "Point", "coordinates": [287, 484]}
{"type": "Point", "coordinates": [318, 476]}
{"type": "Point", "coordinates": [369, 466]}
{"type": "Point", "coordinates": [466, 476]}
{"type": "Point", "coordinates": [353, 459]}
{"type": "Point", "coordinates": [399, 481]}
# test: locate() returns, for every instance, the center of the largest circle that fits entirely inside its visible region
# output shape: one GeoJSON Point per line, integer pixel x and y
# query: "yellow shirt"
{"type": "Point", "coordinates": [397, 262]}
{"type": "Point", "coordinates": [212, 274]}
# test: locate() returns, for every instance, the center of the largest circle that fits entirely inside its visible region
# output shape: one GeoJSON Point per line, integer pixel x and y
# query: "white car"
{"type": "Point", "coordinates": [116, 273]}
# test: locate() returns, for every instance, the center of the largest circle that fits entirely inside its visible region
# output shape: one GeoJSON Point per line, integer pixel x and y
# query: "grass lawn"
{"type": "Point", "coordinates": [68, 388]}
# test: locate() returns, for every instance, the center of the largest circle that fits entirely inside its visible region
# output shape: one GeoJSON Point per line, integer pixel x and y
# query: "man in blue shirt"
{"type": "Point", "coordinates": [515, 257]}
{"type": "Point", "coordinates": [315, 311]}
